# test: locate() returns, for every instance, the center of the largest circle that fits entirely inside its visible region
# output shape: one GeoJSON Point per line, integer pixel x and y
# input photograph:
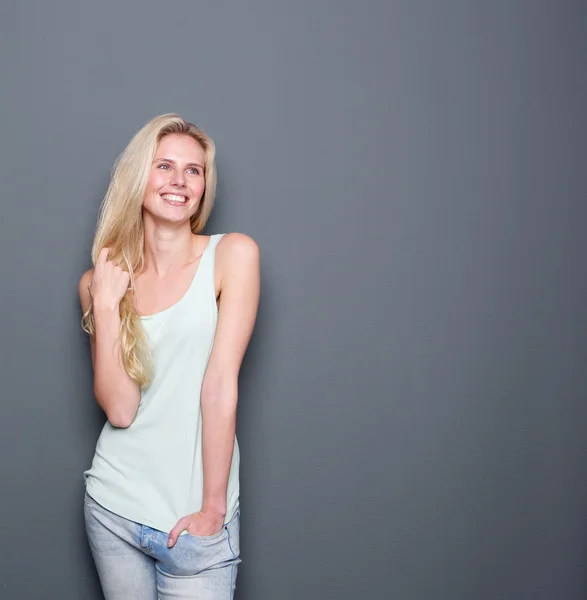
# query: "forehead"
{"type": "Point", "coordinates": [180, 148]}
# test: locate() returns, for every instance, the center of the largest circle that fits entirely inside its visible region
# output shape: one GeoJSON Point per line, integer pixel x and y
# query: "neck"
{"type": "Point", "coordinates": [169, 247]}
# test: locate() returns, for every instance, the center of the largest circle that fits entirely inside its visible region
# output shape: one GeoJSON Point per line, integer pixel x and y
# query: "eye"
{"type": "Point", "coordinates": [163, 165]}
{"type": "Point", "coordinates": [194, 171]}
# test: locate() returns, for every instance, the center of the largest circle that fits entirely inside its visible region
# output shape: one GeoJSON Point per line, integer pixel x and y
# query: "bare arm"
{"type": "Point", "coordinates": [239, 299]}
{"type": "Point", "coordinates": [116, 393]}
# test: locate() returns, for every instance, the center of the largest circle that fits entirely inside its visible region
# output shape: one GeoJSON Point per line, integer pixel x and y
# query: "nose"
{"type": "Point", "coordinates": [177, 178]}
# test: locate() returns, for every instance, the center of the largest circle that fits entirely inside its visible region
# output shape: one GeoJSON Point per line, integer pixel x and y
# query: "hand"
{"type": "Point", "coordinates": [199, 523]}
{"type": "Point", "coordinates": [109, 282]}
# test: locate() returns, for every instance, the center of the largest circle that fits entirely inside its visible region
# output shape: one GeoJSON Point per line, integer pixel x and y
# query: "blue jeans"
{"type": "Point", "coordinates": [133, 561]}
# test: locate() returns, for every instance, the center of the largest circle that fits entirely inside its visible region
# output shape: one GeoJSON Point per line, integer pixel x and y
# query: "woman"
{"type": "Point", "coordinates": [170, 313]}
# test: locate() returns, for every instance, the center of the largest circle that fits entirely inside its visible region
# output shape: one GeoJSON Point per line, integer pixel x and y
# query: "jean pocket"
{"type": "Point", "coordinates": [231, 525]}
{"type": "Point", "coordinates": [204, 538]}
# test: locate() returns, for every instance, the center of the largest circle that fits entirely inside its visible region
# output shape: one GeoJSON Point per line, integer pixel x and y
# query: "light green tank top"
{"type": "Point", "coordinates": [152, 472]}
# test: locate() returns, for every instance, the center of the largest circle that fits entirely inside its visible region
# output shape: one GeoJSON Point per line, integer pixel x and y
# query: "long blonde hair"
{"type": "Point", "coordinates": [120, 228]}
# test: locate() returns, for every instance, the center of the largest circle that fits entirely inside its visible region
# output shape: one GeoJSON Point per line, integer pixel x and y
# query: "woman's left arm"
{"type": "Point", "coordinates": [237, 311]}
{"type": "Point", "coordinates": [238, 260]}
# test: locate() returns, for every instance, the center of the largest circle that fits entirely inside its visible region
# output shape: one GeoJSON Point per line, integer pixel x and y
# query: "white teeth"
{"type": "Point", "coordinates": [174, 198]}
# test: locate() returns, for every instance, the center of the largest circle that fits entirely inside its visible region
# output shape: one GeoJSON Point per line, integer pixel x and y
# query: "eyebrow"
{"type": "Point", "coordinates": [193, 164]}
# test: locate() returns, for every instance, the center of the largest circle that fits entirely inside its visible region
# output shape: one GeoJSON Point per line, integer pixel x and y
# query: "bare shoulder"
{"type": "Point", "coordinates": [237, 250]}
{"type": "Point", "coordinates": [84, 292]}
{"type": "Point", "coordinates": [237, 255]}
{"type": "Point", "coordinates": [238, 243]}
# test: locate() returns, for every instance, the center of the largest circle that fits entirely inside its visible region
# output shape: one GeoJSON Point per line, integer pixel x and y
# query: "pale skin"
{"type": "Point", "coordinates": [172, 255]}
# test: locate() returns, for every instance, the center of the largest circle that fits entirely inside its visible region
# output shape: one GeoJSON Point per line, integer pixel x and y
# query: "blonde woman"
{"type": "Point", "coordinates": [170, 313]}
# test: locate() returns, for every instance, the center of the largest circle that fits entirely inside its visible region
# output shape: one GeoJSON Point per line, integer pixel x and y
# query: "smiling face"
{"type": "Point", "coordinates": [176, 181]}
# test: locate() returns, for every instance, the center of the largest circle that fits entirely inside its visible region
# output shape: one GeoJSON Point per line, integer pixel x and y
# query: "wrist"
{"type": "Point", "coordinates": [103, 310]}
{"type": "Point", "coordinates": [214, 509]}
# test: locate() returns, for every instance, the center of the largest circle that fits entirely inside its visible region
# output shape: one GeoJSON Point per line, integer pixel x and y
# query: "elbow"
{"type": "Point", "coordinates": [120, 421]}
{"type": "Point", "coordinates": [118, 413]}
{"type": "Point", "coordinates": [222, 390]}
{"type": "Point", "coordinates": [225, 403]}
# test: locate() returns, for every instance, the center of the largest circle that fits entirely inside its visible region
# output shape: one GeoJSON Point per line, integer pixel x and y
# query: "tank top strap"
{"type": "Point", "coordinates": [211, 249]}
{"type": "Point", "coordinates": [214, 239]}
{"type": "Point", "coordinates": [208, 260]}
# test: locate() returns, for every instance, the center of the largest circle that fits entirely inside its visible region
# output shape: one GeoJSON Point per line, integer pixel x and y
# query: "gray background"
{"type": "Point", "coordinates": [412, 405]}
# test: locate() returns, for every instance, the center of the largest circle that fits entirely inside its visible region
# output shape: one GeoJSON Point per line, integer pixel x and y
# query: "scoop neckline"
{"type": "Point", "coordinates": [165, 310]}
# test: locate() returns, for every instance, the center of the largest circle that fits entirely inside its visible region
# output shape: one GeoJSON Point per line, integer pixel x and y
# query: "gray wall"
{"type": "Point", "coordinates": [412, 405]}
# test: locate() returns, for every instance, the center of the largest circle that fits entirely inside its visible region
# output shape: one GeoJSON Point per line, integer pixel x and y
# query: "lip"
{"type": "Point", "coordinates": [173, 194]}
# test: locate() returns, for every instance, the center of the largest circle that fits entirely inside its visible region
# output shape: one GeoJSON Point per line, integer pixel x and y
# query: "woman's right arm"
{"type": "Point", "coordinates": [116, 392]}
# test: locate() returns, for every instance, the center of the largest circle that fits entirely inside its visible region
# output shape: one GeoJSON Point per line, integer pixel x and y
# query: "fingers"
{"type": "Point", "coordinates": [174, 533]}
{"type": "Point", "coordinates": [103, 259]}
{"type": "Point", "coordinates": [102, 256]}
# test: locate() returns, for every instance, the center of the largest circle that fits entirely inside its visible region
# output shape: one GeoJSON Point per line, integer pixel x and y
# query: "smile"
{"type": "Point", "coordinates": [174, 199]}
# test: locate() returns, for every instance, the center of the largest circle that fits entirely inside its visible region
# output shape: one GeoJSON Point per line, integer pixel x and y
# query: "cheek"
{"type": "Point", "coordinates": [154, 184]}
{"type": "Point", "coordinates": [198, 187]}
{"type": "Point", "coordinates": [155, 181]}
